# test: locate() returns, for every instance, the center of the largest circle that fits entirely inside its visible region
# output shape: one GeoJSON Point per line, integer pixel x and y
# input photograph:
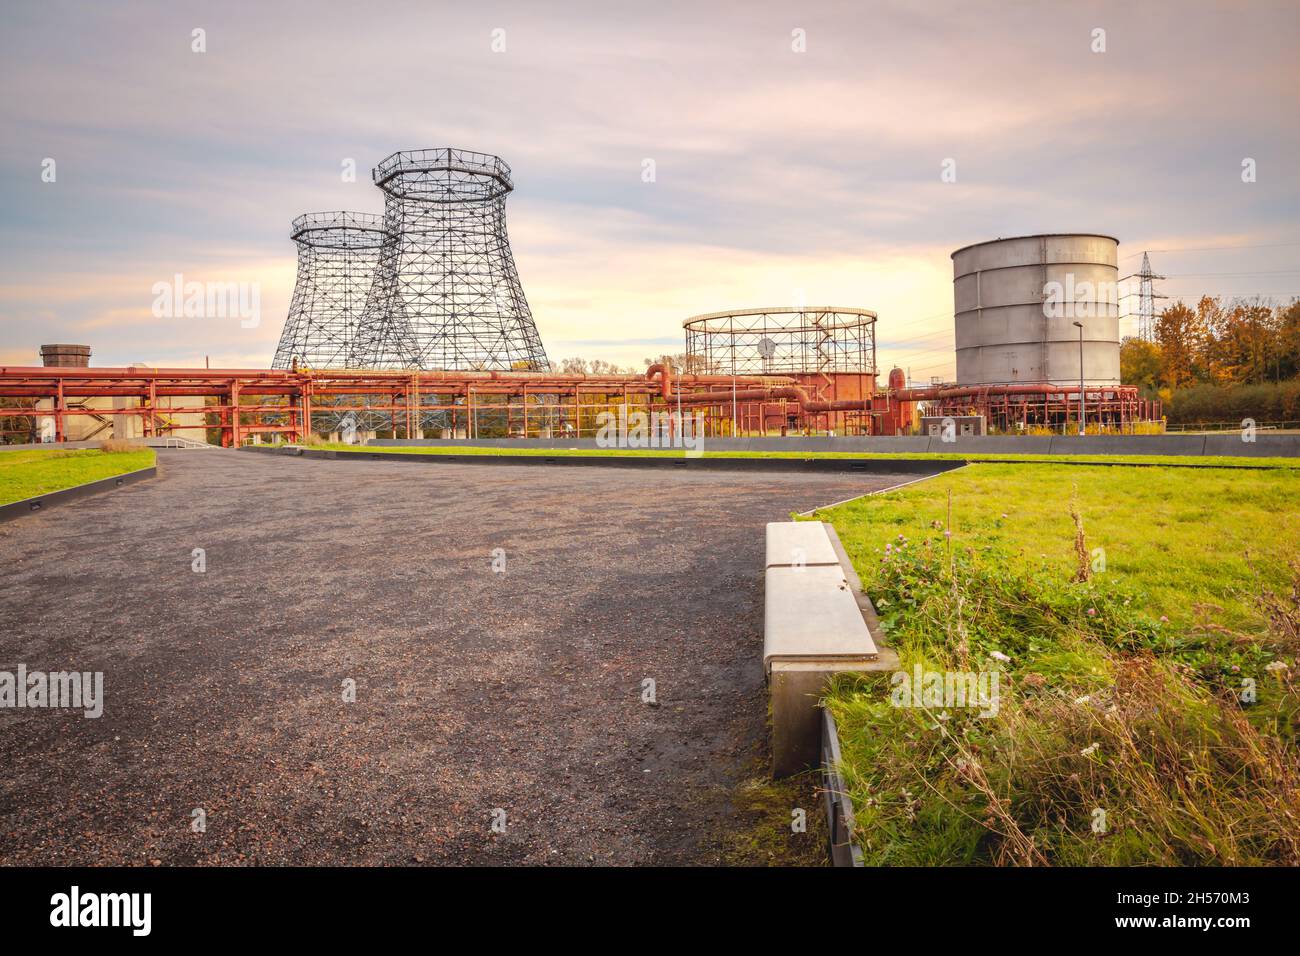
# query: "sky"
{"type": "Point", "coordinates": [798, 152]}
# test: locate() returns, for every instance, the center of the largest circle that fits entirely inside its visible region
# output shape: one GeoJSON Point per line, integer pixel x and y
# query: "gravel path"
{"type": "Point", "coordinates": [475, 690]}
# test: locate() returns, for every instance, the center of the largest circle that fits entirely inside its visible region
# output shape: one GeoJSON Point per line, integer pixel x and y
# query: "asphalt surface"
{"type": "Point", "coordinates": [475, 690]}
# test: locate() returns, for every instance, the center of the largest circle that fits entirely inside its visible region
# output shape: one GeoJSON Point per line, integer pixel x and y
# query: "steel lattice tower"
{"type": "Point", "coordinates": [446, 293]}
{"type": "Point", "coordinates": [337, 256]}
{"type": "Point", "coordinates": [1147, 301]}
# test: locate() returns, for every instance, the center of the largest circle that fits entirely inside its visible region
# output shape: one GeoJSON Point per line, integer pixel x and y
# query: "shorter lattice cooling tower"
{"type": "Point", "coordinates": [337, 256]}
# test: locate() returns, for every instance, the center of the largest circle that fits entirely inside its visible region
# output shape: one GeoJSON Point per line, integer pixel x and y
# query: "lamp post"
{"type": "Point", "coordinates": [733, 402]}
{"type": "Point", "coordinates": [1079, 326]}
{"type": "Point", "coordinates": [680, 423]}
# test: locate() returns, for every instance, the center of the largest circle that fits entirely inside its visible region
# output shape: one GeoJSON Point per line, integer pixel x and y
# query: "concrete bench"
{"type": "Point", "coordinates": [816, 623]}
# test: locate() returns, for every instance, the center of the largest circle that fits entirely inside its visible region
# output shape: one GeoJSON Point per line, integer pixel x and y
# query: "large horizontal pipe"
{"type": "Point", "coordinates": [940, 392]}
{"type": "Point", "coordinates": [764, 392]}
{"type": "Point", "coordinates": [318, 376]}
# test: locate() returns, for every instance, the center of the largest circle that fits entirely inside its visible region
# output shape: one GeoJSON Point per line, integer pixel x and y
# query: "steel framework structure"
{"type": "Point", "coordinates": [1008, 407]}
{"type": "Point", "coordinates": [446, 293]}
{"type": "Point", "coordinates": [337, 256]}
{"type": "Point", "coordinates": [233, 404]}
{"type": "Point", "coordinates": [783, 341]}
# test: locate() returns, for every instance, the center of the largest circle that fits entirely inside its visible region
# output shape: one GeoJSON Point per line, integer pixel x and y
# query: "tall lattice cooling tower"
{"type": "Point", "coordinates": [337, 256]}
{"type": "Point", "coordinates": [446, 293]}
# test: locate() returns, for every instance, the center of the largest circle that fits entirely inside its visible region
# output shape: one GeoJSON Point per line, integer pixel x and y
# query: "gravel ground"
{"type": "Point", "coordinates": [475, 690]}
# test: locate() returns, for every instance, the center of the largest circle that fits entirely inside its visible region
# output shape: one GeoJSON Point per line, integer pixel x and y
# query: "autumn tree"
{"type": "Point", "coordinates": [1181, 334]}
{"type": "Point", "coordinates": [581, 366]}
{"type": "Point", "coordinates": [688, 364]}
{"type": "Point", "coordinates": [1287, 330]}
{"type": "Point", "coordinates": [1141, 364]}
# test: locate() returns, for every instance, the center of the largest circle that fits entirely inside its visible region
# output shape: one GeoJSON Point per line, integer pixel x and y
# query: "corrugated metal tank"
{"type": "Point", "coordinates": [1016, 302]}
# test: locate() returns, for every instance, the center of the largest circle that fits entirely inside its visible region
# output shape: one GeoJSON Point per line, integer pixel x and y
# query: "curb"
{"type": "Point", "coordinates": [874, 466]}
{"type": "Point", "coordinates": [1182, 445]}
{"type": "Point", "coordinates": [840, 819]}
{"type": "Point", "coordinates": [17, 509]}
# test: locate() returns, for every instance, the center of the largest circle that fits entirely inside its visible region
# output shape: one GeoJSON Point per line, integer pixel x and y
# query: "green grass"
{"type": "Point", "coordinates": [1216, 461]}
{"type": "Point", "coordinates": [1121, 694]}
{"type": "Point", "coordinates": [1180, 536]}
{"type": "Point", "coordinates": [28, 473]}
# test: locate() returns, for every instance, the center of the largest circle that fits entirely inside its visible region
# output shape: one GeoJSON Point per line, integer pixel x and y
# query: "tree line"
{"type": "Point", "coordinates": [1220, 360]}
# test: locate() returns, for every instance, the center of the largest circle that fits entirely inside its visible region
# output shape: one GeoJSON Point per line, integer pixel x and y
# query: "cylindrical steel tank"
{"type": "Point", "coordinates": [1016, 302]}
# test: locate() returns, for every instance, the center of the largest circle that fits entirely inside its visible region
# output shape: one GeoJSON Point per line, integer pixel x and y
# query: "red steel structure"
{"type": "Point", "coordinates": [239, 403]}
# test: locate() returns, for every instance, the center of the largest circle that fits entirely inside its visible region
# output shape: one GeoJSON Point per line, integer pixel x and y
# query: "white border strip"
{"type": "Point", "coordinates": [881, 491]}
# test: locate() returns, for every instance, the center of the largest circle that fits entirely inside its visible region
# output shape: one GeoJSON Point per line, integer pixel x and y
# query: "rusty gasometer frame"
{"type": "Point", "coordinates": [783, 341]}
{"type": "Point", "coordinates": [829, 351]}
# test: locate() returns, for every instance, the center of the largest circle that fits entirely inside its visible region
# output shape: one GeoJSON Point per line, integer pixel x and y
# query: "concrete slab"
{"type": "Point", "coordinates": [811, 614]}
{"type": "Point", "coordinates": [803, 543]}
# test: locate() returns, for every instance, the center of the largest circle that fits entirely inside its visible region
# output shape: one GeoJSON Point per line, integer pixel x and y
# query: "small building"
{"type": "Point", "coordinates": [962, 426]}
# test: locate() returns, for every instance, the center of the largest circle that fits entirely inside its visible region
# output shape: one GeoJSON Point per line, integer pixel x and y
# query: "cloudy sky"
{"type": "Point", "coordinates": [781, 176]}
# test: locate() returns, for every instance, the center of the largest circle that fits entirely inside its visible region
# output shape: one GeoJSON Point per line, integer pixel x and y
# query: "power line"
{"type": "Point", "coordinates": [1183, 275]}
{"type": "Point", "coordinates": [948, 349]}
{"type": "Point", "coordinates": [903, 343]}
{"type": "Point", "coordinates": [1260, 245]}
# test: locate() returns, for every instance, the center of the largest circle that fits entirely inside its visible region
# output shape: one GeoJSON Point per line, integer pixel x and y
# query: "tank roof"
{"type": "Point", "coordinates": [1037, 235]}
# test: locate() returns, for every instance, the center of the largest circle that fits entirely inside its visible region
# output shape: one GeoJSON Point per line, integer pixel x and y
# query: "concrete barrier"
{"type": "Point", "coordinates": [1128, 445]}
{"type": "Point", "coordinates": [1264, 445]}
{"type": "Point", "coordinates": [994, 445]}
{"type": "Point", "coordinates": [817, 622]}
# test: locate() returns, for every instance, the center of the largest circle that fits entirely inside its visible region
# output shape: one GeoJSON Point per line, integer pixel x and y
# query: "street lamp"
{"type": "Point", "coordinates": [1079, 326]}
